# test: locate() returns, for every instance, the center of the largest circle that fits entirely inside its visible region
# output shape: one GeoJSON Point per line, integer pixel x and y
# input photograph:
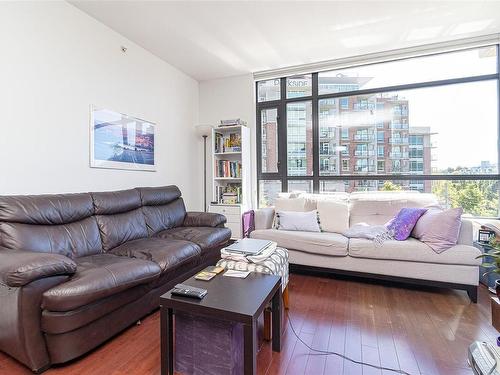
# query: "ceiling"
{"type": "Point", "coordinates": [215, 39]}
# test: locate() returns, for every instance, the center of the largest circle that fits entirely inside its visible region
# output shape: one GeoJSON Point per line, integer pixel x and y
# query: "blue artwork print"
{"type": "Point", "coordinates": [121, 141]}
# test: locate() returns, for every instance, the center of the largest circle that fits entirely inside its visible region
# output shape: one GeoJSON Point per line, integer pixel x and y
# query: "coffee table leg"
{"type": "Point", "coordinates": [276, 326]}
{"type": "Point", "coordinates": [167, 341]}
{"type": "Point", "coordinates": [250, 348]}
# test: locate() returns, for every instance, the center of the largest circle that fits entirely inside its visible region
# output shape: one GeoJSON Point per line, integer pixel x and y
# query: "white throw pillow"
{"type": "Point", "coordinates": [333, 215]}
{"type": "Point", "coordinates": [299, 221]}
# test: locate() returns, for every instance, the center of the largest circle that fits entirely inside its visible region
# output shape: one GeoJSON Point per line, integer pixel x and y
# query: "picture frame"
{"type": "Point", "coordinates": [484, 236]}
{"type": "Point", "coordinates": [120, 141]}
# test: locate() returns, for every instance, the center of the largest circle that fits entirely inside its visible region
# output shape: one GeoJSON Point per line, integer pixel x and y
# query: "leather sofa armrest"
{"type": "Point", "coordinates": [19, 267]}
{"type": "Point", "coordinates": [204, 219]}
{"type": "Point", "coordinates": [264, 218]}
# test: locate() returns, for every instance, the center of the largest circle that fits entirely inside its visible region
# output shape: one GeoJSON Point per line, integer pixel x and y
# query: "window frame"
{"type": "Point", "coordinates": [315, 97]}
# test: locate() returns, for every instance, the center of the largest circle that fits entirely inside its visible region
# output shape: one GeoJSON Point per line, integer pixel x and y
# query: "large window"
{"type": "Point", "coordinates": [428, 124]}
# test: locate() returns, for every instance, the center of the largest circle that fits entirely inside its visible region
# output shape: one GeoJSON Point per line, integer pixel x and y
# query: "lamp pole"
{"type": "Point", "coordinates": [205, 173]}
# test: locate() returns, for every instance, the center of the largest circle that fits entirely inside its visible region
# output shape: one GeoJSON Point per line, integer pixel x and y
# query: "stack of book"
{"type": "Point", "coordinates": [227, 168]}
{"type": "Point", "coordinates": [232, 122]}
{"type": "Point", "coordinates": [227, 143]}
{"type": "Point", "coordinates": [230, 194]}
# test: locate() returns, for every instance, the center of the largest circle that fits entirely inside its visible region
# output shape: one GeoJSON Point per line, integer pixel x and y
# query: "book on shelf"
{"type": "Point", "coordinates": [227, 142]}
{"type": "Point", "coordinates": [229, 194]}
{"type": "Point", "coordinates": [228, 168]}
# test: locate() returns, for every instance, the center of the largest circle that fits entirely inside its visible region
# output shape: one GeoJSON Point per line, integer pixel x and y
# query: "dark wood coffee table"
{"type": "Point", "coordinates": [230, 299]}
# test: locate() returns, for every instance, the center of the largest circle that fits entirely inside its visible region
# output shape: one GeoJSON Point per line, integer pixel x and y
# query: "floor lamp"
{"type": "Point", "coordinates": [204, 131]}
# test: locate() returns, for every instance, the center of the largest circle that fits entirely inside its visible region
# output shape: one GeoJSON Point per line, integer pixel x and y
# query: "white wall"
{"type": "Point", "coordinates": [55, 62]}
{"type": "Point", "coordinates": [228, 98]}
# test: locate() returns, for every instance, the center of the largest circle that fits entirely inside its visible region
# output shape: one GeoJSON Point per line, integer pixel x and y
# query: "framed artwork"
{"type": "Point", "coordinates": [119, 141]}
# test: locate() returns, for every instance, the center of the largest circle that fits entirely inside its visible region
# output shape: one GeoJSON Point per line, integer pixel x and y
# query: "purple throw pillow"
{"type": "Point", "coordinates": [401, 226]}
{"type": "Point", "coordinates": [439, 229]}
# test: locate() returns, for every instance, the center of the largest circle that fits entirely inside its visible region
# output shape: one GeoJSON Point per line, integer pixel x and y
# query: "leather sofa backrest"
{"type": "Point", "coordinates": [163, 208]}
{"type": "Point", "coordinates": [61, 223]}
{"type": "Point", "coordinates": [119, 217]}
{"type": "Point", "coordinates": [77, 225]}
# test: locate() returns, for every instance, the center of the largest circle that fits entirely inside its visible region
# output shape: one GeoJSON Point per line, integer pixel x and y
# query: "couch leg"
{"type": "Point", "coordinates": [472, 293]}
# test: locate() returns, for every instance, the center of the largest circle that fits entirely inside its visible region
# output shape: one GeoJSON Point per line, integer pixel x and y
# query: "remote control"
{"type": "Point", "coordinates": [189, 291]}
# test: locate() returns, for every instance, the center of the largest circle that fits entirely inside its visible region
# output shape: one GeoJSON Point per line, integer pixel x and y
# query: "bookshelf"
{"type": "Point", "coordinates": [231, 174]}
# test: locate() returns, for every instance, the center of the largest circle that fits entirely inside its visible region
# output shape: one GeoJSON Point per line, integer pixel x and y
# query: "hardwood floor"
{"type": "Point", "coordinates": [421, 331]}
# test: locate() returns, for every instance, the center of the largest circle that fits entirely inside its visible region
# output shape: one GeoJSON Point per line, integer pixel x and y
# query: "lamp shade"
{"type": "Point", "coordinates": [204, 130]}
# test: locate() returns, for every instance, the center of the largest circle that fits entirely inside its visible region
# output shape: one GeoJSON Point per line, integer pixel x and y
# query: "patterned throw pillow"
{"type": "Point", "coordinates": [299, 221]}
{"type": "Point", "coordinates": [402, 224]}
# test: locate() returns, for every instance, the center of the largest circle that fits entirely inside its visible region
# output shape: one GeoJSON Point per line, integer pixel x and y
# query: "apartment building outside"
{"type": "Point", "coordinates": [358, 135]}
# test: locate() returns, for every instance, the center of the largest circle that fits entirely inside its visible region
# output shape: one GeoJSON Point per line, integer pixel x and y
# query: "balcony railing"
{"type": "Point", "coordinates": [399, 126]}
{"type": "Point", "coordinates": [364, 169]}
{"type": "Point", "coordinates": [364, 153]}
{"type": "Point", "coordinates": [398, 141]}
{"type": "Point", "coordinates": [363, 138]}
{"type": "Point", "coordinates": [398, 155]}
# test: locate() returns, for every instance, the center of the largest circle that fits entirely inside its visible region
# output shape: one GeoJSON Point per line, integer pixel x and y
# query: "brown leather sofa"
{"type": "Point", "coordinates": [76, 269]}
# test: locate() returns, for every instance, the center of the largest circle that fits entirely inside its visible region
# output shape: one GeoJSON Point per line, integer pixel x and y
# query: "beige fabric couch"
{"type": "Point", "coordinates": [408, 261]}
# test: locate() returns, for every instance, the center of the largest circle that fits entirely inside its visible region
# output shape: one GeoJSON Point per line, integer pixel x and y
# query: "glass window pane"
{"type": "Point", "coordinates": [331, 136]}
{"type": "Point", "coordinates": [416, 131]}
{"type": "Point", "coordinates": [473, 62]}
{"type": "Point", "coordinates": [299, 139]}
{"type": "Point", "coordinates": [331, 186]}
{"type": "Point", "coordinates": [298, 86]}
{"type": "Point", "coordinates": [476, 197]}
{"type": "Point", "coordinates": [300, 185]}
{"type": "Point", "coordinates": [268, 90]}
{"type": "Point", "coordinates": [268, 192]}
{"type": "Point", "coordinates": [269, 140]}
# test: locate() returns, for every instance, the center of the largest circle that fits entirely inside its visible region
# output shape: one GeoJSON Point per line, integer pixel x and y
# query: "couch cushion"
{"type": "Point", "coordinates": [99, 276]}
{"type": "Point", "coordinates": [413, 250]}
{"type": "Point", "coordinates": [46, 209]}
{"type": "Point", "coordinates": [333, 215]}
{"type": "Point", "coordinates": [325, 243]}
{"type": "Point", "coordinates": [377, 208]}
{"type": "Point", "coordinates": [55, 322]}
{"type": "Point", "coordinates": [121, 227]}
{"type": "Point", "coordinates": [156, 196]}
{"type": "Point", "coordinates": [289, 204]}
{"type": "Point", "coordinates": [164, 216]}
{"type": "Point", "coordinates": [205, 237]}
{"type": "Point", "coordinates": [115, 202]}
{"type": "Point", "coordinates": [76, 239]}
{"type": "Point", "coordinates": [167, 253]}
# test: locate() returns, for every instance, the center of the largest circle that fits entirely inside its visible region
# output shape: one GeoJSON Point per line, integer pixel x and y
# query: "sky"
{"type": "Point", "coordinates": [464, 116]}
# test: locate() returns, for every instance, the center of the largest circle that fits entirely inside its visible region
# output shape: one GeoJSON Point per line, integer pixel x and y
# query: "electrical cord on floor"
{"type": "Point", "coordinates": [325, 352]}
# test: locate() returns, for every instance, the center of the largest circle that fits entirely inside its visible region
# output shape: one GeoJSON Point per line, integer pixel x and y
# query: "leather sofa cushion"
{"type": "Point", "coordinates": [55, 322]}
{"type": "Point", "coordinates": [46, 209]}
{"type": "Point", "coordinates": [204, 219]}
{"type": "Point", "coordinates": [167, 253]}
{"type": "Point", "coordinates": [165, 216]}
{"type": "Point", "coordinates": [413, 250]}
{"type": "Point", "coordinates": [18, 268]}
{"type": "Point", "coordinates": [76, 239]}
{"type": "Point", "coordinates": [99, 276]}
{"type": "Point", "coordinates": [115, 202]}
{"type": "Point", "coordinates": [156, 196]}
{"type": "Point", "coordinates": [119, 228]}
{"type": "Point", "coordinates": [205, 237]}
{"type": "Point", "coordinates": [325, 243]}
